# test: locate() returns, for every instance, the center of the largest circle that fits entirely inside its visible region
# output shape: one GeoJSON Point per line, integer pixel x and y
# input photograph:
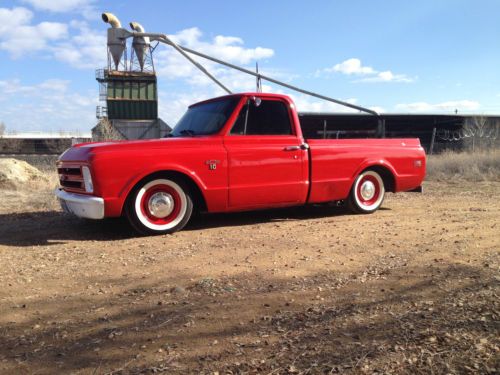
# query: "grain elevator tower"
{"type": "Point", "coordinates": [129, 86]}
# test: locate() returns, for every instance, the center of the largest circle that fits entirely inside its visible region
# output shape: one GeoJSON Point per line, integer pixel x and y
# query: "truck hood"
{"type": "Point", "coordinates": [86, 151]}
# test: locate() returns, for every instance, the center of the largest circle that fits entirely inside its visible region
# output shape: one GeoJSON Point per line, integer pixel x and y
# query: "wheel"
{"type": "Point", "coordinates": [367, 193]}
{"type": "Point", "coordinates": [159, 206]}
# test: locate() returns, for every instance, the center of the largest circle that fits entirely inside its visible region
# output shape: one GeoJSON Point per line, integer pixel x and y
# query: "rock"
{"type": "Point", "coordinates": [178, 290]}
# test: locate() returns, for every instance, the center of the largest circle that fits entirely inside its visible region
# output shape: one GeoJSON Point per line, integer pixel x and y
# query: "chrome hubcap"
{"type": "Point", "coordinates": [161, 204]}
{"type": "Point", "coordinates": [367, 190]}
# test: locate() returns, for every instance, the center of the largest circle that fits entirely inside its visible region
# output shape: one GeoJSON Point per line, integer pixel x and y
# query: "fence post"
{"type": "Point", "coordinates": [381, 128]}
{"type": "Point", "coordinates": [431, 149]}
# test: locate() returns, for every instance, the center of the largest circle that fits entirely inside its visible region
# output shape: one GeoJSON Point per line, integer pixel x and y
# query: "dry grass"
{"type": "Point", "coordinates": [28, 185]}
{"type": "Point", "coordinates": [470, 166]}
{"type": "Point", "coordinates": [45, 163]}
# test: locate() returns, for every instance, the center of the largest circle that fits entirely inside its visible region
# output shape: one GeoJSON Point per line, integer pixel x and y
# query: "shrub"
{"type": "Point", "coordinates": [470, 166]}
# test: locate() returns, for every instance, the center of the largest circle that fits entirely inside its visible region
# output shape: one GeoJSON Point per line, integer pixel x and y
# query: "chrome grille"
{"type": "Point", "coordinates": [71, 179]}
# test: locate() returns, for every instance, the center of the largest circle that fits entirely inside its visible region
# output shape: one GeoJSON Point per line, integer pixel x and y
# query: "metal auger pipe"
{"type": "Point", "coordinates": [182, 50]}
{"type": "Point", "coordinates": [165, 39]}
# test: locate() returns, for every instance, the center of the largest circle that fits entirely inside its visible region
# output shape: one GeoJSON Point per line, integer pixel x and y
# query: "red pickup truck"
{"type": "Point", "coordinates": [233, 153]}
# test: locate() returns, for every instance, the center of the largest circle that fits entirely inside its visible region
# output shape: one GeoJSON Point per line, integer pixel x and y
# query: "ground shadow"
{"type": "Point", "coordinates": [205, 221]}
{"type": "Point", "coordinates": [55, 227]}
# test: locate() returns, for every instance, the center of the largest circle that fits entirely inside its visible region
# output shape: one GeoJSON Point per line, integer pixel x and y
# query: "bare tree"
{"type": "Point", "coordinates": [481, 132]}
{"type": "Point", "coordinates": [104, 131]}
{"type": "Point", "coordinates": [2, 128]}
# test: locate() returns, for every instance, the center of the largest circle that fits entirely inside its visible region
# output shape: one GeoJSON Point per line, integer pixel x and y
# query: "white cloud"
{"type": "Point", "coordinates": [49, 104]}
{"type": "Point", "coordinates": [223, 47]}
{"type": "Point", "coordinates": [81, 46]}
{"type": "Point", "coordinates": [85, 50]}
{"type": "Point", "coordinates": [387, 76]}
{"type": "Point", "coordinates": [15, 87]}
{"type": "Point", "coordinates": [52, 30]}
{"type": "Point", "coordinates": [351, 66]}
{"type": "Point", "coordinates": [354, 66]}
{"type": "Point", "coordinates": [83, 7]}
{"type": "Point", "coordinates": [448, 106]}
{"type": "Point", "coordinates": [227, 40]}
{"type": "Point", "coordinates": [19, 37]}
{"type": "Point", "coordinates": [10, 19]}
{"type": "Point", "coordinates": [170, 65]}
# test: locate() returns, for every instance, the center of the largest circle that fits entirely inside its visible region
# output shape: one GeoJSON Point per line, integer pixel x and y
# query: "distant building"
{"type": "Point", "coordinates": [435, 131]}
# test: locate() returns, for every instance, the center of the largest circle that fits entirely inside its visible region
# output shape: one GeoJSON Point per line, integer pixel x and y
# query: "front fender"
{"type": "Point", "coordinates": [114, 205]}
{"type": "Point", "coordinates": [129, 185]}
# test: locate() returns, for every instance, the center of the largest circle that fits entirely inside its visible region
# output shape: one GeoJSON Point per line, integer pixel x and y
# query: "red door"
{"type": "Point", "coordinates": [265, 161]}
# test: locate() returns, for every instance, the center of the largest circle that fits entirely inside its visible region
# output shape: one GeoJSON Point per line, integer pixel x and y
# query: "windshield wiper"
{"type": "Point", "coordinates": [189, 132]}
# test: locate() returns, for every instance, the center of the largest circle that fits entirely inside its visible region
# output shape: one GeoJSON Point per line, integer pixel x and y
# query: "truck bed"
{"type": "Point", "coordinates": [335, 162]}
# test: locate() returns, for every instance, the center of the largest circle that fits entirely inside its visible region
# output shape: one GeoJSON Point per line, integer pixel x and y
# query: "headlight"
{"type": "Point", "coordinates": [87, 180]}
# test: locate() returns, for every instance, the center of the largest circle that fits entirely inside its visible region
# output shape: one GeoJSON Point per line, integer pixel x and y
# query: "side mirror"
{"type": "Point", "coordinates": [256, 101]}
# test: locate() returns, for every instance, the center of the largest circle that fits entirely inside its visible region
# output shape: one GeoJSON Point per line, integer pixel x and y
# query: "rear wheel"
{"type": "Point", "coordinates": [159, 206]}
{"type": "Point", "coordinates": [367, 193]}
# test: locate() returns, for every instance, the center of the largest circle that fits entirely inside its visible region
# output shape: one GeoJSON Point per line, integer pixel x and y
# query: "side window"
{"type": "Point", "coordinates": [269, 118]}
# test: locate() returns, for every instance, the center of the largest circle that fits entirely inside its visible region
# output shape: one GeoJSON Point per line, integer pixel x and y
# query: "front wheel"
{"type": "Point", "coordinates": [159, 206]}
{"type": "Point", "coordinates": [367, 193]}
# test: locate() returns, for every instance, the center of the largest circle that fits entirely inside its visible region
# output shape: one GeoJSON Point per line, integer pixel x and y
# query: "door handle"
{"type": "Point", "coordinates": [303, 146]}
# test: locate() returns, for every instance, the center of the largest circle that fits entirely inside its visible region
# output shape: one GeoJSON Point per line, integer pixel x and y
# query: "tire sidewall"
{"type": "Point", "coordinates": [357, 203]}
{"type": "Point", "coordinates": [139, 219]}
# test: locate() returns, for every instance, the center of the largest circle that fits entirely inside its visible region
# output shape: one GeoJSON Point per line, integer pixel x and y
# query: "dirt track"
{"type": "Point", "coordinates": [410, 289]}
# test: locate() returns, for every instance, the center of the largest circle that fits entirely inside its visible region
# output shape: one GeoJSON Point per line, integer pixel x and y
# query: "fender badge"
{"type": "Point", "coordinates": [212, 164]}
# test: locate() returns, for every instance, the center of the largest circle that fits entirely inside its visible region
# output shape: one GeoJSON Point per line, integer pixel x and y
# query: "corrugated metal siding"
{"type": "Point", "coordinates": [132, 109]}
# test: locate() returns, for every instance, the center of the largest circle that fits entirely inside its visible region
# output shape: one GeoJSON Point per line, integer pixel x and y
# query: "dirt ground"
{"type": "Point", "coordinates": [411, 289]}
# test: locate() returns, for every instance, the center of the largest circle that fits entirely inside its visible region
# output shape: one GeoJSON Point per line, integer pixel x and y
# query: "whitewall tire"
{"type": "Point", "coordinates": [159, 206]}
{"type": "Point", "coordinates": [367, 193]}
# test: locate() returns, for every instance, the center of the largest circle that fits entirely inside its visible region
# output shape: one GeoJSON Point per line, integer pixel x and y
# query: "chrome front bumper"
{"type": "Point", "coordinates": [85, 206]}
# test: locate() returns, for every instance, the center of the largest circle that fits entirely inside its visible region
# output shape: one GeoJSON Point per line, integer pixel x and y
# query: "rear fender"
{"type": "Point", "coordinates": [381, 163]}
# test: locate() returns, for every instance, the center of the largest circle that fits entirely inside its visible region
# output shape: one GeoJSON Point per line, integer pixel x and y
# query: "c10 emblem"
{"type": "Point", "coordinates": [212, 164]}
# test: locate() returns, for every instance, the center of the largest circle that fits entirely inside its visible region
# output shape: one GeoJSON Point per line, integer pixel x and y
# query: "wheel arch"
{"type": "Point", "coordinates": [384, 169]}
{"type": "Point", "coordinates": [387, 177]}
{"type": "Point", "coordinates": [195, 190]}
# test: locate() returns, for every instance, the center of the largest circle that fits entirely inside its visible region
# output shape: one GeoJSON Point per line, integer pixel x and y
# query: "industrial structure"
{"type": "Point", "coordinates": [129, 88]}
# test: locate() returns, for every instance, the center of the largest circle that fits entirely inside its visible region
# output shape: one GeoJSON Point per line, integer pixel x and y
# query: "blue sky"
{"type": "Point", "coordinates": [423, 56]}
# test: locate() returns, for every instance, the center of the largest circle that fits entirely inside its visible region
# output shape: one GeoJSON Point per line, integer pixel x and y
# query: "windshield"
{"type": "Point", "coordinates": [206, 118]}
